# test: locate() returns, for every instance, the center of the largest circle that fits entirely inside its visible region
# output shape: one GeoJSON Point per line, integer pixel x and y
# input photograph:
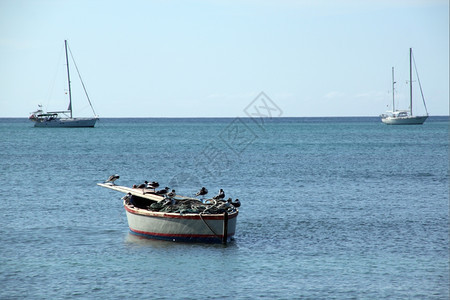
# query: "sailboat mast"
{"type": "Point", "coordinates": [68, 80]}
{"type": "Point", "coordinates": [393, 91]}
{"type": "Point", "coordinates": [410, 81]}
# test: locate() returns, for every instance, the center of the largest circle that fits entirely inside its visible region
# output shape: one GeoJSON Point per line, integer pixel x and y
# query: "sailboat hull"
{"type": "Point", "coordinates": [414, 120]}
{"type": "Point", "coordinates": [67, 122]}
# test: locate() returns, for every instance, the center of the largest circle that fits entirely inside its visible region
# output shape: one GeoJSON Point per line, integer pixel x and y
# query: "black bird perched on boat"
{"type": "Point", "coordinates": [112, 178]}
{"type": "Point", "coordinates": [203, 191]}
{"type": "Point", "coordinates": [237, 203]}
{"type": "Point", "coordinates": [143, 185]}
{"type": "Point", "coordinates": [220, 196]}
{"type": "Point", "coordinates": [171, 194]}
{"type": "Point", "coordinates": [127, 198]}
{"type": "Point", "coordinates": [153, 185]}
{"type": "Point", "coordinates": [162, 191]}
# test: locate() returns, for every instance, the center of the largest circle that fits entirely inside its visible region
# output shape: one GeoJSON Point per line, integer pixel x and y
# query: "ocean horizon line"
{"type": "Point", "coordinates": [243, 117]}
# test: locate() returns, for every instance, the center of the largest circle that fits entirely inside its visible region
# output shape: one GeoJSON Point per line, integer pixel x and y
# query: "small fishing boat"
{"type": "Point", "coordinates": [176, 218]}
{"type": "Point", "coordinates": [63, 118]}
{"type": "Point", "coordinates": [405, 117]}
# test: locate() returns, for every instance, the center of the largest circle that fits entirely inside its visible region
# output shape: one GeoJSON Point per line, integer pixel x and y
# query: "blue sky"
{"type": "Point", "coordinates": [209, 58]}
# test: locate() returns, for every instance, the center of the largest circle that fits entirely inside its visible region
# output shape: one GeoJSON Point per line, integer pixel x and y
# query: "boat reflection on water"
{"type": "Point", "coordinates": [134, 240]}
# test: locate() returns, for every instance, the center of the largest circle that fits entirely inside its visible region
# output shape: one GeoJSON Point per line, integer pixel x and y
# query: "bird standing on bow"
{"type": "Point", "coordinates": [143, 185]}
{"type": "Point", "coordinates": [162, 191]}
{"type": "Point", "coordinates": [153, 185]}
{"type": "Point", "coordinates": [112, 178]}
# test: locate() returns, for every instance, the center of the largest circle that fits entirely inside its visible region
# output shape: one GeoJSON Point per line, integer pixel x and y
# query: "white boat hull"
{"type": "Point", "coordinates": [66, 122]}
{"type": "Point", "coordinates": [209, 228]}
{"type": "Point", "coordinates": [415, 120]}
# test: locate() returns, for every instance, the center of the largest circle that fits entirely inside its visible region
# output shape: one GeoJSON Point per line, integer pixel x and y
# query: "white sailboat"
{"type": "Point", "coordinates": [405, 117]}
{"type": "Point", "coordinates": [63, 118]}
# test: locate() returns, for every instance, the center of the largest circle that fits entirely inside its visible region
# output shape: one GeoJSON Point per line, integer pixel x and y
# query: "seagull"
{"type": "Point", "coordinates": [203, 191]}
{"type": "Point", "coordinates": [162, 191]}
{"type": "Point", "coordinates": [142, 185]}
{"type": "Point", "coordinates": [220, 196]}
{"type": "Point", "coordinates": [236, 203]}
{"type": "Point", "coordinates": [153, 185]}
{"type": "Point", "coordinates": [171, 194]}
{"type": "Point", "coordinates": [170, 199]}
{"type": "Point", "coordinates": [127, 198]}
{"type": "Point", "coordinates": [112, 178]}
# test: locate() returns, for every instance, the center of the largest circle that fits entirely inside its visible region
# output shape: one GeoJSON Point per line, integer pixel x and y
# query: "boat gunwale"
{"type": "Point", "coordinates": [193, 216]}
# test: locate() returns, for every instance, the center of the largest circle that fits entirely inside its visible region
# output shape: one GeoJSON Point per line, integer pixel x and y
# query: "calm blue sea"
{"type": "Point", "coordinates": [332, 208]}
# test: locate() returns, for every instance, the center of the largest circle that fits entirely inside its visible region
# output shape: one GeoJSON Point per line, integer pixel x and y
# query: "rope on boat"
{"type": "Point", "coordinates": [82, 83]}
{"type": "Point", "coordinates": [201, 217]}
{"type": "Point", "coordinates": [218, 236]}
{"type": "Point", "coordinates": [420, 86]}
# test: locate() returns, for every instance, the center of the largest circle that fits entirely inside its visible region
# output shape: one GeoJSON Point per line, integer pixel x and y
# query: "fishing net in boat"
{"type": "Point", "coordinates": [192, 206]}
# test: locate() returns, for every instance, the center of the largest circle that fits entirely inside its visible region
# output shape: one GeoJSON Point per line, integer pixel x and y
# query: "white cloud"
{"type": "Point", "coordinates": [333, 95]}
{"type": "Point", "coordinates": [371, 95]}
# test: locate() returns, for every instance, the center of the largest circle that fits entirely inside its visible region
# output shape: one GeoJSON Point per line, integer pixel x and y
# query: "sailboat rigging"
{"type": "Point", "coordinates": [405, 117]}
{"type": "Point", "coordinates": [59, 118]}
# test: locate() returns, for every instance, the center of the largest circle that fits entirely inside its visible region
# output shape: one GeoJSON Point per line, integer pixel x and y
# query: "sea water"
{"type": "Point", "coordinates": [340, 208]}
